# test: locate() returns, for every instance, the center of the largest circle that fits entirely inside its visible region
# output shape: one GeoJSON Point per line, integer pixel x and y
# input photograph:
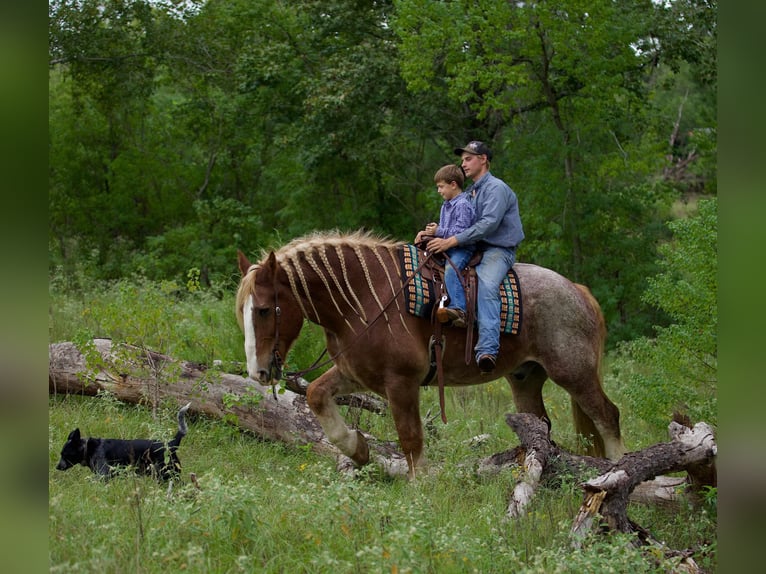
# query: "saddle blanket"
{"type": "Point", "coordinates": [420, 293]}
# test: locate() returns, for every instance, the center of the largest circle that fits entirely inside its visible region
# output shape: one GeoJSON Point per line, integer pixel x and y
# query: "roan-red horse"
{"type": "Point", "coordinates": [351, 286]}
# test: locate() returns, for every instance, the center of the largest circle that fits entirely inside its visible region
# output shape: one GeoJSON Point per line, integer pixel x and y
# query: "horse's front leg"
{"type": "Point", "coordinates": [321, 400]}
{"type": "Point", "coordinates": [404, 402]}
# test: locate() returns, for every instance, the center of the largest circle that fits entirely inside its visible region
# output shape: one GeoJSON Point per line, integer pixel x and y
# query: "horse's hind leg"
{"type": "Point", "coordinates": [598, 418]}
{"type": "Point", "coordinates": [595, 416]}
{"type": "Point", "coordinates": [320, 396]}
{"type": "Point", "coordinates": [527, 388]}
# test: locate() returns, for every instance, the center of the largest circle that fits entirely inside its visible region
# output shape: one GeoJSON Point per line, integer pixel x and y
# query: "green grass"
{"type": "Point", "coordinates": [268, 507]}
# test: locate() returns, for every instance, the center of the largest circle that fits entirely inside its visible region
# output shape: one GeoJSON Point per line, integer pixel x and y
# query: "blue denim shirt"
{"type": "Point", "coordinates": [497, 215]}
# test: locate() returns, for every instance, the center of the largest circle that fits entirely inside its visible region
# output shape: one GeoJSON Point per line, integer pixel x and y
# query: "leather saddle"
{"type": "Point", "coordinates": [433, 271]}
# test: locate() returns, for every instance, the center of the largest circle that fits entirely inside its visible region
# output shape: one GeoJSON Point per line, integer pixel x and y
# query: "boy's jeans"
{"type": "Point", "coordinates": [460, 257]}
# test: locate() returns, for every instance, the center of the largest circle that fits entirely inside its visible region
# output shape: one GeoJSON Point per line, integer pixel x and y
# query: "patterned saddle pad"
{"type": "Point", "coordinates": [421, 297]}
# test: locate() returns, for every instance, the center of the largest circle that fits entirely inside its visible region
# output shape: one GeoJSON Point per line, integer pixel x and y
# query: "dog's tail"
{"type": "Point", "coordinates": [175, 443]}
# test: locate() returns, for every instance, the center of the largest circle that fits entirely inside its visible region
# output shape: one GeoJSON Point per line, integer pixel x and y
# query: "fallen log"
{"type": "Point", "coordinates": [606, 496]}
{"type": "Point", "coordinates": [141, 376]}
{"type": "Point", "coordinates": [638, 476]}
{"type": "Point", "coordinates": [689, 448]}
{"type": "Point", "coordinates": [131, 376]}
{"type": "Point", "coordinates": [539, 458]}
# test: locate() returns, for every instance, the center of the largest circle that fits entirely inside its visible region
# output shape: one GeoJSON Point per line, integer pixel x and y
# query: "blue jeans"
{"type": "Point", "coordinates": [460, 257]}
{"type": "Point", "coordinates": [495, 264]}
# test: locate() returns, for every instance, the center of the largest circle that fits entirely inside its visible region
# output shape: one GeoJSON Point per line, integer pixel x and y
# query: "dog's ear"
{"type": "Point", "coordinates": [74, 435]}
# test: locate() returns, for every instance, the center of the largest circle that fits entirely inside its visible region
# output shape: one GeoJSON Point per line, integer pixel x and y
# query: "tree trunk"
{"type": "Point", "coordinates": [634, 477]}
{"type": "Point", "coordinates": [131, 375]}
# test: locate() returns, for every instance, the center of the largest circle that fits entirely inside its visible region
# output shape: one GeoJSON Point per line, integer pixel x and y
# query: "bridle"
{"type": "Point", "coordinates": [277, 363]}
{"type": "Point", "coordinates": [276, 357]}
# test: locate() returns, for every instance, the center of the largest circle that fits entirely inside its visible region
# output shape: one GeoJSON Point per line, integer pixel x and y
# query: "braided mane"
{"type": "Point", "coordinates": [317, 239]}
{"type": "Point", "coordinates": [312, 249]}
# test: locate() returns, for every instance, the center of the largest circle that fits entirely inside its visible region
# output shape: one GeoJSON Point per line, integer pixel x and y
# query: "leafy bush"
{"type": "Point", "coordinates": [677, 369]}
{"type": "Point", "coordinates": [183, 321]}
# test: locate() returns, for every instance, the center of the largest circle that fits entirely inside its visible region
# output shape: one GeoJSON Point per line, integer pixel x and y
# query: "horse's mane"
{"type": "Point", "coordinates": [333, 238]}
{"type": "Point", "coordinates": [312, 249]}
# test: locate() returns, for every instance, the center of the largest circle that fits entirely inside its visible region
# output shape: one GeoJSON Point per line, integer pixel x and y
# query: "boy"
{"type": "Point", "coordinates": [457, 214]}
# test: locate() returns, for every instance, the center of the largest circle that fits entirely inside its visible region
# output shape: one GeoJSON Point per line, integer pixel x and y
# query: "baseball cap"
{"type": "Point", "coordinates": [475, 148]}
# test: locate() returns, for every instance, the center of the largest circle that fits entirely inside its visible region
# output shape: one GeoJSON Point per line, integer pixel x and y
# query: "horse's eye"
{"type": "Point", "coordinates": [263, 312]}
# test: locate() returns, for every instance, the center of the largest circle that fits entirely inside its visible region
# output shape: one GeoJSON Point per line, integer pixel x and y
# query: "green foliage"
{"type": "Point", "coordinates": [163, 316]}
{"type": "Point", "coordinates": [178, 135]}
{"type": "Point", "coordinates": [208, 243]}
{"type": "Point", "coordinates": [248, 400]}
{"type": "Point", "coordinates": [677, 369]}
{"type": "Point", "coordinates": [563, 92]}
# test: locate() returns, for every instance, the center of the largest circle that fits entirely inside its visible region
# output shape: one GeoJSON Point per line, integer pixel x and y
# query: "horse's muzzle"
{"type": "Point", "coordinates": [271, 375]}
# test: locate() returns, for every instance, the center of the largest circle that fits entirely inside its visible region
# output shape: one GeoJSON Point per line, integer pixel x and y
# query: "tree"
{"type": "Point", "coordinates": [180, 135]}
{"type": "Point", "coordinates": [676, 370]}
{"type": "Point", "coordinates": [115, 178]}
{"type": "Point", "coordinates": [562, 91]}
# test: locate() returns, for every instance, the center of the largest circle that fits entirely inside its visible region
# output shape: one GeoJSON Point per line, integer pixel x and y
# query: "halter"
{"type": "Point", "coordinates": [437, 340]}
{"type": "Point", "coordinates": [276, 357]}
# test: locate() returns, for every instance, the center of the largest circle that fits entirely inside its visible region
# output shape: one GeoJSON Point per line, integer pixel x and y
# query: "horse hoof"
{"type": "Point", "coordinates": [362, 453]}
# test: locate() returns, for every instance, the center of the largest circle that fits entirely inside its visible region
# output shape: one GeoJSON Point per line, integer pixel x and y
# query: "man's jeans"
{"type": "Point", "coordinates": [493, 268]}
{"type": "Point", "coordinates": [460, 257]}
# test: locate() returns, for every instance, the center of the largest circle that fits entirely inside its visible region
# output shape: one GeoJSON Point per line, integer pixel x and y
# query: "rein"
{"type": "Point", "coordinates": [316, 364]}
{"type": "Point", "coordinates": [437, 339]}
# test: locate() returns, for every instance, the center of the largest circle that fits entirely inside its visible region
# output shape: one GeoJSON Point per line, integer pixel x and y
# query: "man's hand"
{"type": "Point", "coordinates": [439, 245]}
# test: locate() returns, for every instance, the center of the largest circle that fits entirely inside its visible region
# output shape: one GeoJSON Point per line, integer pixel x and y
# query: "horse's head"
{"type": "Point", "coordinates": [268, 315]}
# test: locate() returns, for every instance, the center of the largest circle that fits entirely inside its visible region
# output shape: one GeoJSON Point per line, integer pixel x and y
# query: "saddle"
{"type": "Point", "coordinates": [433, 271]}
{"type": "Point", "coordinates": [424, 292]}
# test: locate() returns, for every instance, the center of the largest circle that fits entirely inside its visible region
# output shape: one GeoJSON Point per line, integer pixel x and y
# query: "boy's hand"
{"type": "Point", "coordinates": [431, 229]}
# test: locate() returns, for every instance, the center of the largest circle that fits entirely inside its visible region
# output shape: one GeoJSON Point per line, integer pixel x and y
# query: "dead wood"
{"type": "Point", "coordinates": [689, 448]}
{"type": "Point", "coordinates": [539, 458]}
{"type": "Point", "coordinates": [143, 376]}
{"type": "Point", "coordinates": [638, 476]}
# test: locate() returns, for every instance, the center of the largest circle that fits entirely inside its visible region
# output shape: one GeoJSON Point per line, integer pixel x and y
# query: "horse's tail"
{"type": "Point", "coordinates": [583, 424]}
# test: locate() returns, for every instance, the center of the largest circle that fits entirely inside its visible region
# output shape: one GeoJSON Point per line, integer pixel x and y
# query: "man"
{"type": "Point", "coordinates": [497, 232]}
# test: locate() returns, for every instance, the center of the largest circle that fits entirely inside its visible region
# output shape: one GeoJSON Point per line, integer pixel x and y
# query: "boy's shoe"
{"type": "Point", "coordinates": [455, 317]}
{"type": "Point", "coordinates": [486, 363]}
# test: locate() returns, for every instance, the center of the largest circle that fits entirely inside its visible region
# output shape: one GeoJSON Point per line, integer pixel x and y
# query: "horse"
{"type": "Point", "coordinates": [350, 284]}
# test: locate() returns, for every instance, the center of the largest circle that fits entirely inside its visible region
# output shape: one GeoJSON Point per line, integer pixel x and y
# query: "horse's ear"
{"type": "Point", "coordinates": [243, 262]}
{"type": "Point", "coordinates": [271, 262]}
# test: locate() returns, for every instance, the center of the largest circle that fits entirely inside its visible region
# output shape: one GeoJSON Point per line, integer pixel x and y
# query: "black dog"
{"type": "Point", "coordinates": [103, 455]}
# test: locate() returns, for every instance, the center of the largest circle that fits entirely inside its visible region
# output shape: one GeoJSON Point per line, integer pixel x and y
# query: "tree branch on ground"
{"type": "Point", "coordinates": [130, 374]}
